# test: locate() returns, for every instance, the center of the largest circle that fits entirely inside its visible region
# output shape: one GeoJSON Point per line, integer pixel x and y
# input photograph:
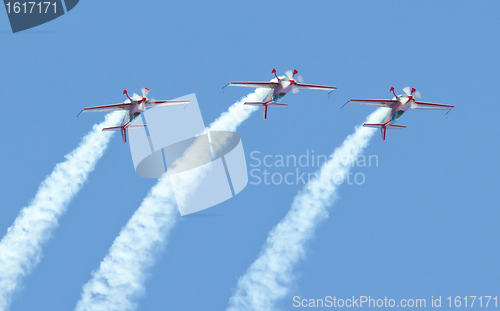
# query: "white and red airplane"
{"type": "Point", "coordinates": [135, 105]}
{"type": "Point", "coordinates": [280, 88]}
{"type": "Point", "coordinates": [398, 105]}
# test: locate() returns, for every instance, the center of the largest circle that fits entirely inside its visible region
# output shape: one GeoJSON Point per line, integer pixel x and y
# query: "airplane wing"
{"type": "Point", "coordinates": [165, 103]}
{"type": "Point", "coordinates": [123, 106]}
{"type": "Point", "coordinates": [372, 102]}
{"type": "Point", "coordinates": [304, 86]}
{"type": "Point", "coordinates": [254, 84]}
{"type": "Point", "coordinates": [422, 105]}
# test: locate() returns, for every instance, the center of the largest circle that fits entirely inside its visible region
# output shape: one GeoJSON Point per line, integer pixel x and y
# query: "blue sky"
{"type": "Point", "coordinates": [424, 222]}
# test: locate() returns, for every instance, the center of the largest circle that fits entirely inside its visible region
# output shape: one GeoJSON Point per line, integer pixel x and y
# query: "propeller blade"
{"type": "Point", "coordinates": [285, 84]}
{"type": "Point", "coordinates": [407, 90]}
{"type": "Point", "coordinates": [289, 73]}
{"type": "Point", "coordinates": [145, 91]}
{"type": "Point", "coordinates": [299, 79]}
{"type": "Point", "coordinates": [295, 89]}
{"type": "Point", "coordinates": [142, 106]}
{"type": "Point", "coordinates": [417, 94]}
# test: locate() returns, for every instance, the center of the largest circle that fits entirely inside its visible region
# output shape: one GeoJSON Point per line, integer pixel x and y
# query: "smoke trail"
{"type": "Point", "coordinates": [119, 281]}
{"type": "Point", "coordinates": [21, 247]}
{"type": "Point", "coordinates": [269, 277]}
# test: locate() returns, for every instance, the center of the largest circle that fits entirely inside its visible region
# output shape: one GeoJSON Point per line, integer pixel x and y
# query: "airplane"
{"type": "Point", "coordinates": [398, 105]}
{"type": "Point", "coordinates": [279, 89]}
{"type": "Point", "coordinates": [134, 105]}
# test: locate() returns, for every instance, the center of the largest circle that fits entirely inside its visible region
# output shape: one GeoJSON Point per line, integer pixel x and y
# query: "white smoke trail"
{"type": "Point", "coordinates": [21, 247]}
{"type": "Point", "coordinates": [121, 274]}
{"type": "Point", "coordinates": [269, 277]}
{"type": "Point", "coordinates": [119, 281]}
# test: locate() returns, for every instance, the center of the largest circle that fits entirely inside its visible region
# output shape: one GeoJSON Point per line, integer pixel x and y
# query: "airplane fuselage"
{"type": "Point", "coordinates": [276, 94]}
{"type": "Point", "coordinates": [278, 88]}
{"type": "Point", "coordinates": [134, 111]}
{"type": "Point", "coordinates": [396, 111]}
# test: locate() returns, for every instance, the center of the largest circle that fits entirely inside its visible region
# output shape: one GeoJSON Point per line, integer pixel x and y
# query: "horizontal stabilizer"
{"type": "Point", "coordinates": [131, 127]}
{"type": "Point", "coordinates": [381, 125]}
{"type": "Point", "coordinates": [116, 128]}
{"type": "Point", "coordinates": [384, 126]}
{"type": "Point", "coordinates": [374, 125]}
{"type": "Point", "coordinates": [396, 127]}
{"type": "Point", "coordinates": [254, 103]}
{"type": "Point", "coordinates": [119, 128]}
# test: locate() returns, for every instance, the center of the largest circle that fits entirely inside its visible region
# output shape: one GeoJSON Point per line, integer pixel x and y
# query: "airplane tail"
{"type": "Point", "coordinates": [265, 105]}
{"type": "Point", "coordinates": [384, 126]}
{"type": "Point", "coordinates": [123, 129]}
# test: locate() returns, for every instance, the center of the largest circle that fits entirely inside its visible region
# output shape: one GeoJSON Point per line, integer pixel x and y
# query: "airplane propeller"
{"type": "Point", "coordinates": [142, 105]}
{"type": "Point", "coordinates": [291, 76]}
{"type": "Point", "coordinates": [413, 92]}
